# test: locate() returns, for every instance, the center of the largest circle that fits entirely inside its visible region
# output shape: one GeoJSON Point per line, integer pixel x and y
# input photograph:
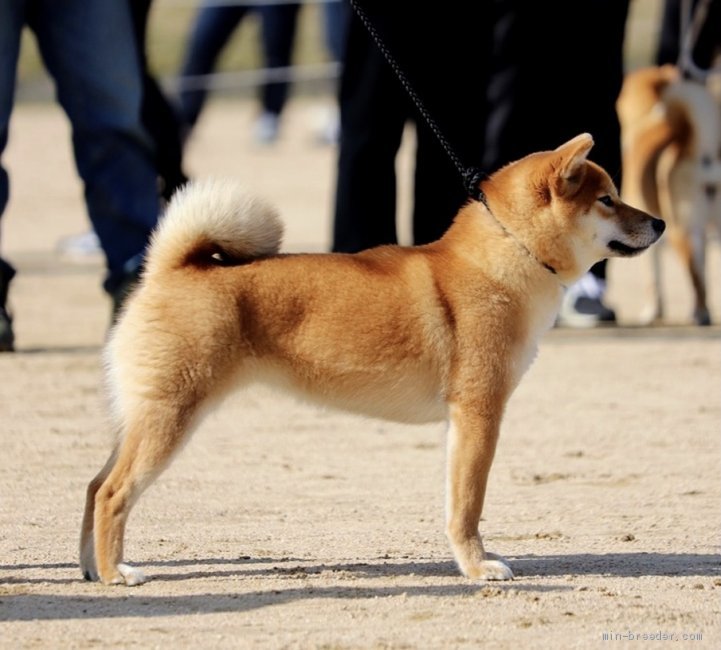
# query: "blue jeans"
{"type": "Point", "coordinates": [213, 28]}
{"type": "Point", "coordinates": [87, 47]}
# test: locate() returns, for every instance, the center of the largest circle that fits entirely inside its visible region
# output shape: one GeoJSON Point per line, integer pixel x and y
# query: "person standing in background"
{"type": "Point", "coordinates": [446, 56]}
{"type": "Point", "coordinates": [213, 27]}
{"type": "Point", "coordinates": [89, 50]}
{"type": "Point", "coordinates": [159, 117]}
{"type": "Point", "coordinates": [163, 125]}
{"type": "Point", "coordinates": [502, 79]}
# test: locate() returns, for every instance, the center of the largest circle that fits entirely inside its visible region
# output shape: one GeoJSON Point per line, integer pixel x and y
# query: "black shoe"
{"type": "Point", "coordinates": [7, 336]}
{"type": "Point", "coordinates": [583, 305]}
{"type": "Point", "coordinates": [582, 311]}
{"type": "Point", "coordinates": [595, 308]}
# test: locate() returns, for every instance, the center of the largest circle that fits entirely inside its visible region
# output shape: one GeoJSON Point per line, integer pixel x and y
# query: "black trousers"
{"type": "Point", "coordinates": [446, 61]}
{"type": "Point", "coordinates": [558, 70]}
{"type": "Point", "coordinates": [214, 26]}
{"type": "Point", "coordinates": [502, 78]}
{"type": "Point", "coordinates": [158, 116]}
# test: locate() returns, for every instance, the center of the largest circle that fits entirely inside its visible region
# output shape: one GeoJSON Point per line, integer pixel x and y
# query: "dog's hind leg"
{"type": "Point", "coordinates": [685, 211]}
{"type": "Point", "coordinates": [655, 310]}
{"type": "Point", "coordinates": [697, 257]}
{"type": "Point", "coordinates": [691, 248]}
{"type": "Point", "coordinates": [87, 543]}
{"type": "Point", "coordinates": [153, 431]}
{"type": "Point", "coordinates": [472, 437]}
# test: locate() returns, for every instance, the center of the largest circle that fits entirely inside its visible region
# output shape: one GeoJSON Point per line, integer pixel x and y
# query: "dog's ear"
{"type": "Point", "coordinates": [569, 163]}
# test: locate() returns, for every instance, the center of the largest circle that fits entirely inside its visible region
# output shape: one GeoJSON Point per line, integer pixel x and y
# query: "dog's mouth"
{"type": "Point", "coordinates": [624, 249]}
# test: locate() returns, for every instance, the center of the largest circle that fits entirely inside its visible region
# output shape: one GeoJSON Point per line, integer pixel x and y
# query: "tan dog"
{"type": "Point", "coordinates": [411, 334]}
{"type": "Point", "coordinates": [671, 130]}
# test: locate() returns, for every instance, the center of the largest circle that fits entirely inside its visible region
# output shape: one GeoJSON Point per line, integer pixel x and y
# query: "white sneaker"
{"type": "Point", "coordinates": [83, 247]}
{"type": "Point", "coordinates": [583, 306]}
{"type": "Point", "coordinates": [267, 127]}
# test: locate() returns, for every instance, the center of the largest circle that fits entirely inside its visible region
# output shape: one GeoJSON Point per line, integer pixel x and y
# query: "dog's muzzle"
{"type": "Point", "coordinates": [625, 250]}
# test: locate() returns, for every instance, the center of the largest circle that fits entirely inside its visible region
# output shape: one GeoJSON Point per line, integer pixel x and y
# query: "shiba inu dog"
{"type": "Point", "coordinates": [414, 334]}
{"type": "Point", "coordinates": [671, 132]}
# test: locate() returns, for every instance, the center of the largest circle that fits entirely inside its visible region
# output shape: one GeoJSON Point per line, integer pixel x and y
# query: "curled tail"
{"type": "Point", "coordinates": [210, 221]}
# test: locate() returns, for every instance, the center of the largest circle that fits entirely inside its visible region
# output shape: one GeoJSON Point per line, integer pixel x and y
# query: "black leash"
{"type": "Point", "coordinates": [471, 176]}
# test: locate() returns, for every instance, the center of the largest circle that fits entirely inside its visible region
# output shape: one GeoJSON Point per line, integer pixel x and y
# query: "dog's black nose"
{"type": "Point", "coordinates": [658, 225]}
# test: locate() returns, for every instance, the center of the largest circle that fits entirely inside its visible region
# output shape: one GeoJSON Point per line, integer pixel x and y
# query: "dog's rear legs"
{"type": "Point", "coordinates": [691, 249]}
{"type": "Point", "coordinates": [87, 544]}
{"type": "Point", "coordinates": [472, 437]}
{"type": "Point", "coordinates": [697, 270]}
{"type": "Point", "coordinates": [152, 435]}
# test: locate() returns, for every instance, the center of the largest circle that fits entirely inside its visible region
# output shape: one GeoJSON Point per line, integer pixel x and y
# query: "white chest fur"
{"type": "Point", "coordinates": [541, 314]}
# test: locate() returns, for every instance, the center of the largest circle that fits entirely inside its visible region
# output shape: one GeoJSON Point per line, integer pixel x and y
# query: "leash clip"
{"type": "Point", "coordinates": [472, 181]}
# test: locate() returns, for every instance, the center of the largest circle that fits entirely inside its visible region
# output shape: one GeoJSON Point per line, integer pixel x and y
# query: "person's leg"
{"type": "Point", "coordinates": [211, 31]}
{"type": "Point", "coordinates": [11, 23]}
{"type": "Point", "coordinates": [158, 116]}
{"type": "Point", "coordinates": [441, 76]}
{"type": "Point", "coordinates": [438, 191]}
{"type": "Point", "coordinates": [334, 18]}
{"type": "Point", "coordinates": [575, 75]}
{"type": "Point", "coordinates": [335, 27]}
{"type": "Point", "coordinates": [12, 18]}
{"type": "Point", "coordinates": [163, 124]}
{"type": "Point", "coordinates": [373, 111]}
{"type": "Point", "coordinates": [7, 336]}
{"type": "Point", "coordinates": [278, 30]}
{"type": "Point", "coordinates": [88, 48]}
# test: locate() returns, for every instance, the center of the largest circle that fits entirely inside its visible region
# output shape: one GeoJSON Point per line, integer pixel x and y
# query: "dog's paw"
{"type": "Point", "coordinates": [128, 576]}
{"type": "Point", "coordinates": [493, 567]}
{"type": "Point", "coordinates": [651, 314]}
{"type": "Point", "coordinates": [89, 574]}
{"type": "Point", "coordinates": [87, 563]}
{"type": "Point", "coordinates": [493, 570]}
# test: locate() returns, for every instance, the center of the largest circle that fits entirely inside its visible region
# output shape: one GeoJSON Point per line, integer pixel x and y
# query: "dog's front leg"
{"type": "Point", "coordinates": [472, 437]}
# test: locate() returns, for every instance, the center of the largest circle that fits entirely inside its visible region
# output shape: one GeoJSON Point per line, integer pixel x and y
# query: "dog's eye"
{"type": "Point", "coordinates": [606, 200]}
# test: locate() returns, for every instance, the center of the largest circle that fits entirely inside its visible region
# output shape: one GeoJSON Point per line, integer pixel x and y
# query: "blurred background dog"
{"type": "Point", "coordinates": [671, 129]}
{"type": "Point", "coordinates": [670, 119]}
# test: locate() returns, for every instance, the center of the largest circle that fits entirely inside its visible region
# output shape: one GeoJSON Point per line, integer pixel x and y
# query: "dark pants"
{"type": "Point", "coordinates": [446, 60]}
{"type": "Point", "coordinates": [88, 49]}
{"type": "Point", "coordinates": [502, 78]}
{"type": "Point", "coordinates": [552, 82]}
{"type": "Point", "coordinates": [158, 116]}
{"type": "Point", "coordinates": [278, 27]}
{"type": "Point", "coordinates": [214, 25]}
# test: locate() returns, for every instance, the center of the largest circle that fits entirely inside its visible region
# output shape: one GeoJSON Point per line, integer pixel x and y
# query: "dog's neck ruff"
{"type": "Point", "coordinates": [484, 200]}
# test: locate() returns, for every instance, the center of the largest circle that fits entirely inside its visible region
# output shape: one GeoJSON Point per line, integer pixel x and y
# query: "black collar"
{"type": "Point", "coordinates": [482, 198]}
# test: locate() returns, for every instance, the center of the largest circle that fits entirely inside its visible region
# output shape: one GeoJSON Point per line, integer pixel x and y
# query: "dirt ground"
{"type": "Point", "coordinates": [285, 526]}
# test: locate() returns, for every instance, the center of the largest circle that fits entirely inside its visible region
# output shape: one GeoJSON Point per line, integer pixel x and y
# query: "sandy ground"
{"type": "Point", "coordinates": [285, 526]}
